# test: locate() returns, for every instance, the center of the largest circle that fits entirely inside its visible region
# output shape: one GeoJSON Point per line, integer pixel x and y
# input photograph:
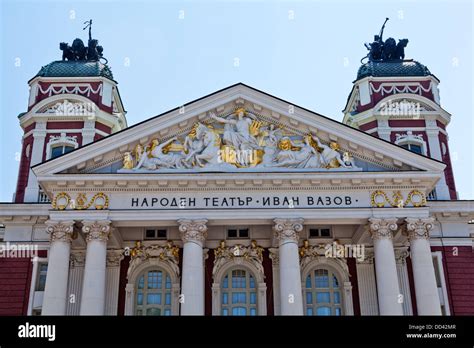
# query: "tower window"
{"type": "Point", "coordinates": [151, 233]}
{"type": "Point", "coordinates": [413, 148]}
{"type": "Point", "coordinates": [60, 150]}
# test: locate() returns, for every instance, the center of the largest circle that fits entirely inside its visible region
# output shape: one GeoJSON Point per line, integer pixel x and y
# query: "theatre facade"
{"type": "Point", "coordinates": [238, 203]}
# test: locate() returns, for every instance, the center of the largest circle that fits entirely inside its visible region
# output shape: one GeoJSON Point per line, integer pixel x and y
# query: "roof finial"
{"type": "Point", "coordinates": [385, 51]}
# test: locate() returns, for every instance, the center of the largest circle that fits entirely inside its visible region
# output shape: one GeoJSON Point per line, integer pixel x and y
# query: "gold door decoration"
{"type": "Point", "coordinates": [380, 198]}
{"type": "Point", "coordinates": [63, 201]}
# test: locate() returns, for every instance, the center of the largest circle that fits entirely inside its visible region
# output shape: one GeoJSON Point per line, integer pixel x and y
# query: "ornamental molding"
{"type": "Point", "coordinates": [63, 200]}
{"type": "Point", "coordinates": [68, 88]}
{"type": "Point", "coordinates": [415, 198]}
{"type": "Point", "coordinates": [287, 230]}
{"type": "Point", "coordinates": [274, 255]}
{"type": "Point", "coordinates": [60, 231]}
{"type": "Point", "coordinates": [369, 257]}
{"type": "Point", "coordinates": [318, 253]}
{"type": "Point", "coordinates": [96, 230]}
{"type": "Point", "coordinates": [77, 259]}
{"type": "Point", "coordinates": [193, 230]}
{"type": "Point", "coordinates": [401, 255]}
{"type": "Point", "coordinates": [155, 254]}
{"type": "Point", "coordinates": [114, 257]}
{"type": "Point", "coordinates": [382, 228]}
{"type": "Point", "coordinates": [68, 108]}
{"type": "Point", "coordinates": [419, 228]}
{"type": "Point", "coordinates": [238, 254]}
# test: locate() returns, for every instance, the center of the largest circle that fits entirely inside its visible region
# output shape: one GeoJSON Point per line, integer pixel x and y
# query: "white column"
{"type": "Point", "coordinates": [366, 284]}
{"type": "Point", "coordinates": [426, 289]}
{"type": "Point", "coordinates": [88, 132]}
{"type": "Point", "coordinates": [55, 292]}
{"type": "Point", "coordinates": [36, 155]}
{"type": "Point", "coordinates": [390, 299]}
{"type": "Point", "coordinates": [403, 281]}
{"type": "Point", "coordinates": [93, 285]}
{"type": "Point", "coordinates": [193, 234]}
{"type": "Point", "coordinates": [287, 233]}
{"type": "Point", "coordinates": [114, 257]}
{"type": "Point", "coordinates": [74, 289]}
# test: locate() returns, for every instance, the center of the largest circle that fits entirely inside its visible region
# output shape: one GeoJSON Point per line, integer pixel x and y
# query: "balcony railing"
{"type": "Point", "coordinates": [43, 198]}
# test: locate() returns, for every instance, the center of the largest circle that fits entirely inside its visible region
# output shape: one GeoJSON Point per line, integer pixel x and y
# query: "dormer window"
{"type": "Point", "coordinates": [59, 145]}
{"type": "Point", "coordinates": [60, 150]}
{"type": "Point", "coordinates": [413, 142]}
{"type": "Point", "coordinates": [416, 148]}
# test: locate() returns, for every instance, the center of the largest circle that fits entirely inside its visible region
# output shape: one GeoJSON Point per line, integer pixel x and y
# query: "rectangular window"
{"type": "Point", "coordinates": [319, 232]}
{"type": "Point", "coordinates": [441, 282]}
{"type": "Point", "coordinates": [153, 233]}
{"type": "Point", "coordinates": [41, 279]}
{"type": "Point", "coordinates": [238, 233]}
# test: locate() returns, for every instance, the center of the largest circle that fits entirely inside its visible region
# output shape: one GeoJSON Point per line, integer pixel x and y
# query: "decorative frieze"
{"type": "Point", "coordinates": [168, 253]}
{"type": "Point", "coordinates": [238, 253]}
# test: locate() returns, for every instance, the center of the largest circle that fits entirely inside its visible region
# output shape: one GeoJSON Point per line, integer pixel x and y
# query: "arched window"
{"type": "Point", "coordinates": [413, 142]}
{"type": "Point", "coordinates": [57, 151]}
{"type": "Point", "coordinates": [416, 148]}
{"type": "Point", "coordinates": [153, 293]}
{"type": "Point", "coordinates": [323, 293]}
{"type": "Point", "coordinates": [60, 144]}
{"type": "Point", "coordinates": [239, 293]}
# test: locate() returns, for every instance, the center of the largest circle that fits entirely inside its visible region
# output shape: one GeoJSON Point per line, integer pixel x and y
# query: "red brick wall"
{"type": "Point", "coordinates": [459, 273]}
{"type": "Point", "coordinates": [449, 169]}
{"type": "Point", "coordinates": [24, 170]}
{"type": "Point", "coordinates": [15, 280]}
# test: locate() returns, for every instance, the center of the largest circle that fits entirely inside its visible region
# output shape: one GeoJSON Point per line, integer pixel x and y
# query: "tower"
{"type": "Point", "coordinates": [397, 99]}
{"type": "Point", "coordinates": [72, 102]}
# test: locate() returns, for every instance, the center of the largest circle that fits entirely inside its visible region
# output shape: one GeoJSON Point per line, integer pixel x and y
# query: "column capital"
{"type": "Point", "coordinates": [382, 228]}
{"type": "Point", "coordinates": [193, 230]}
{"type": "Point", "coordinates": [60, 231]}
{"type": "Point", "coordinates": [288, 229]}
{"type": "Point", "coordinates": [419, 228]}
{"type": "Point", "coordinates": [96, 230]}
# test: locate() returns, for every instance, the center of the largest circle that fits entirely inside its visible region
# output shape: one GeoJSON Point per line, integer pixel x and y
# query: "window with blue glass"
{"type": "Point", "coordinates": [153, 293]}
{"type": "Point", "coordinates": [239, 293]}
{"type": "Point", "coordinates": [322, 293]}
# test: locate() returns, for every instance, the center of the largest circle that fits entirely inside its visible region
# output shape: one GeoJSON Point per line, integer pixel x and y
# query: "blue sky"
{"type": "Point", "coordinates": [167, 53]}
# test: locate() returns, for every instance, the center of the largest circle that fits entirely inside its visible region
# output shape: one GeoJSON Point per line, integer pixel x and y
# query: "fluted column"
{"type": "Point", "coordinates": [287, 233]}
{"type": "Point", "coordinates": [55, 292]}
{"type": "Point", "coordinates": [426, 289]}
{"type": "Point", "coordinates": [193, 234]}
{"type": "Point", "coordinates": [93, 284]}
{"type": "Point", "coordinates": [388, 290]}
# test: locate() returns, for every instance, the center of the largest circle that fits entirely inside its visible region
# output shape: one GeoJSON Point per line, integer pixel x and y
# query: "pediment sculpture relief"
{"type": "Point", "coordinates": [237, 140]}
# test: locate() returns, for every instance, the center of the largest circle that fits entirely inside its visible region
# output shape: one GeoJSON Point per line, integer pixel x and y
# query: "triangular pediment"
{"type": "Point", "coordinates": [238, 129]}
